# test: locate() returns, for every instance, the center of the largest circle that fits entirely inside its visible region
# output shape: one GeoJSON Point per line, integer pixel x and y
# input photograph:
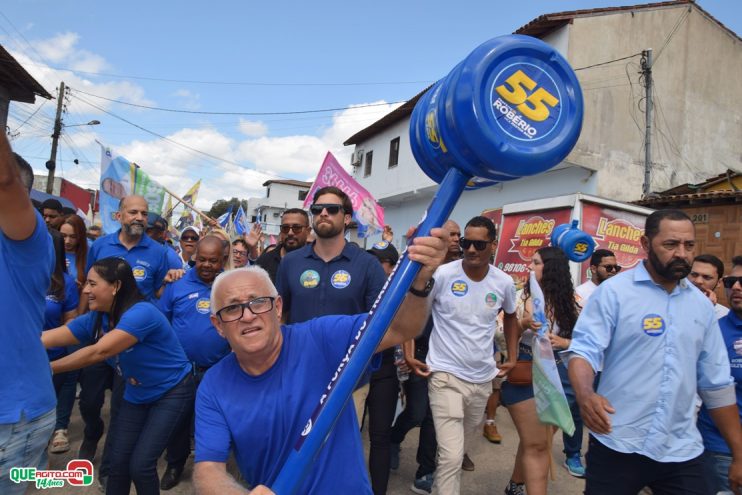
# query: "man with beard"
{"type": "Point", "coordinates": [330, 276]}
{"type": "Point", "coordinates": [187, 305]}
{"type": "Point", "coordinates": [149, 262]}
{"type": "Point", "coordinates": [294, 232]}
{"type": "Point", "coordinates": [603, 265]}
{"type": "Point", "coordinates": [706, 273]}
{"type": "Point", "coordinates": [660, 344]}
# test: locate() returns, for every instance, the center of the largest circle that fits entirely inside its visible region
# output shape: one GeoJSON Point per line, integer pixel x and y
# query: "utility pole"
{"type": "Point", "coordinates": [52, 163]}
{"type": "Point", "coordinates": [647, 71]}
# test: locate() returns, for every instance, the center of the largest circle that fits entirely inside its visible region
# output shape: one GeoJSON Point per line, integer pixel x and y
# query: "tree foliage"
{"type": "Point", "coordinates": [221, 206]}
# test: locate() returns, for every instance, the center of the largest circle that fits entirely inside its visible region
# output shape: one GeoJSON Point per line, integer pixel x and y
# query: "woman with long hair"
{"type": "Point", "coordinates": [75, 238]}
{"type": "Point", "coordinates": [137, 340]}
{"type": "Point", "coordinates": [551, 269]}
{"type": "Point", "coordinates": [61, 307]}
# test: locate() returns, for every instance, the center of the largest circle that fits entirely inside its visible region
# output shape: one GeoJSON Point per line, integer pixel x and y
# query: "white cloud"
{"type": "Point", "coordinates": [252, 128]}
{"type": "Point", "coordinates": [264, 156]}
{"type": "Point", "coordinates": [188, 99]}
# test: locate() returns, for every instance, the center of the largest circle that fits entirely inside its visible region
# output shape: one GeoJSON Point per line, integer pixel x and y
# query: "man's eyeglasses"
{"type": "Point", "coordinates": [234, 312]}
{"type": "Point", "coordinates": [296, 229]}
{"type": "Point", "coordinates": [730, 281]}
{"type": "Point", "coordinates": [612, 268]}
{"type": "Point", "coordinates": [239, 253]}
{"type": "Point", "coordinates": [332, 209]}
{"type": "Point", "coordinates": [478, 245]}
{"type": "Point", "coordinates": [189, 238]}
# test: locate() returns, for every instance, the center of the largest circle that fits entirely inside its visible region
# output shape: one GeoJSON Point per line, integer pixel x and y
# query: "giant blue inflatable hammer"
{"type": "Point", "coordinates": [511, 109]}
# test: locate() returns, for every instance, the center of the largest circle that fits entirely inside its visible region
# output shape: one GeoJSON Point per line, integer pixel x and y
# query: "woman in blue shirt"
{"type": "Point", "coordinates": [61, 307]}
{"type": "Point", "coordinates": [74, 234]}
{"type": "Point", "coordinates": [136, 339]}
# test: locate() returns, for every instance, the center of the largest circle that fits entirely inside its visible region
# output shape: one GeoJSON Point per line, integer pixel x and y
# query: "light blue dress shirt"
{"type": "Point", "coordinates": [658, 349]}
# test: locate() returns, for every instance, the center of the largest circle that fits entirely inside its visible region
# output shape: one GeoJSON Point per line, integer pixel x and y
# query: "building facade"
{"type": "Point", "coordinates": [697, 123]}
{"type": "Point", "coordinates": [280, 195]}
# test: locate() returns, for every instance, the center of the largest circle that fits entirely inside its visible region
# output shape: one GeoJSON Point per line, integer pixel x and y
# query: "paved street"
{"type": "Point", "coordinates": [493, 465]}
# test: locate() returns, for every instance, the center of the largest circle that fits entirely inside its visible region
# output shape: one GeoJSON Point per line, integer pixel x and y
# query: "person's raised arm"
{"type": "Point", "coordinates": [17, 217]}
{"type": "Point", "coordinates": [414, 310]}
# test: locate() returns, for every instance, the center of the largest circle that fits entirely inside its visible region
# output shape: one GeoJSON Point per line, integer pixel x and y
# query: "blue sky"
{"type": "Point", "coordinates": [238, 56]}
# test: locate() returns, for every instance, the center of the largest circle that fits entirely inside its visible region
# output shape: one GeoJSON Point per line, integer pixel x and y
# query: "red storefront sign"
{"type": "Point", "coordinates": [522, 235]}
{"type": "Point", "coordinates": [616, 230]}
{"type": "Point", "coordinates": [495, 215]}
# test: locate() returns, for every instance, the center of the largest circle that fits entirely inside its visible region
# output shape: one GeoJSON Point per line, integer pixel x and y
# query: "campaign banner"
{"type": "Point", "coordinates": [366, 211]}
{"type": "Point", "coordinates": [119, 178]}
{"type": "Point", "coordinates": [495, 214]}
{"type": "Point", "coordinates": [616, 230]}
{"type": "Point", "coordinates": [522, 235]}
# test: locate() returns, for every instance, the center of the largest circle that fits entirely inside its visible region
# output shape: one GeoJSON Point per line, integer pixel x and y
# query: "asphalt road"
{"type": "Point", "coordinates": [493, 463]}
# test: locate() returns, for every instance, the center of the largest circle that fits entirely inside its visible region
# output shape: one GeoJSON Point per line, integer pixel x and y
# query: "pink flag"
{"type": "Point", "coordinates": [272, 240]}
{"type": "Point", "coordinates": [366, 212]}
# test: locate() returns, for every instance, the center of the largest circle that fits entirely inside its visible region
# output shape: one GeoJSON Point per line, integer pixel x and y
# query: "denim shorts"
{"type": "Point", "coordinates": [23, 444]}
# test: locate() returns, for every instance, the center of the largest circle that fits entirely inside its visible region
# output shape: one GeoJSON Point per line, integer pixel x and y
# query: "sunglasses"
{"type": "Point", "coordinates": [332, 209]}
{"type": "Point", "coordinates": [612, 268]}
{"type": "Point", "coordinates": [730, 281]}
{"type": "Point", "coordinates": [296, 229]}
{"type": "Point", "coordinates": [189, 238]}
{"type": "Point", "coordinates": [478, 245]}
{"type": "Point", "coordinates": [237, 252]}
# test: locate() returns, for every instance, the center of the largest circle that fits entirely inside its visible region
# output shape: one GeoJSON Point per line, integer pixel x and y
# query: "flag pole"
{"type": "Point", "coordinates": [189, 205]}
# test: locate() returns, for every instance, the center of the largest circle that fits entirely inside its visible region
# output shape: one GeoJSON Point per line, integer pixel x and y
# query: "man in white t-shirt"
{"type": "Point", "coordinates": [603, 265]}
{"type": "Point", "coordinates": [466, 299]}
{"type": "Point", "coordinates": [706, 273]}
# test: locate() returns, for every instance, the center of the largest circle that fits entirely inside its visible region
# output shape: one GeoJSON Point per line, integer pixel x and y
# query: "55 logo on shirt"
{"type": "Point", "coordinates": [653, 325]}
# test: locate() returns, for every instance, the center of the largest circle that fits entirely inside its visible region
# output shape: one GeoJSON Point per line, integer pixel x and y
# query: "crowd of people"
{"type": "Point", "coordinates": [225, 346]}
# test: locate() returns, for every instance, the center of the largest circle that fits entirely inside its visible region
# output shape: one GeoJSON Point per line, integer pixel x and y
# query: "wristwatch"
{"type": "Point", "coordinates": [426, 291]}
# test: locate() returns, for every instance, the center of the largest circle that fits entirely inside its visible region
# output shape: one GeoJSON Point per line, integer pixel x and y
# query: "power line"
{"type": "Point", "coordinates": [230, 83]}
{"type": "Point", "coordinates": [608, 62]}
{"type": "Point", "coordinates": [175, 110]}
{"type": "Point", "coordinates": [682, 18]}
{"type": "Point", "coordinates": [194, 150]}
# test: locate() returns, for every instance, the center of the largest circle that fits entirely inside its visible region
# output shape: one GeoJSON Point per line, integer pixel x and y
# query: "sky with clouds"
{"type": "Point", "coordinates": [256, 90]}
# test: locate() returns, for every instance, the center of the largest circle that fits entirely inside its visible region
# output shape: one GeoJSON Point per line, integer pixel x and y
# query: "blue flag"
{"type": "Point", "coordinates": [240, 222]}
{"type": "Point", "coordinates": [224, 219]}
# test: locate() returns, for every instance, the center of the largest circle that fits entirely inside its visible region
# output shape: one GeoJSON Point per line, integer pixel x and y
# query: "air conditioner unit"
{"type": "Point", "coordinates": [357, 158]}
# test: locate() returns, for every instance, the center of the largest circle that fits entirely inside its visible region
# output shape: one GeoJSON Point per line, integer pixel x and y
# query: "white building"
{"type": "Point", "coordinates": [697, 122]}
{"type": "Point", "coordinates": [280, 195]}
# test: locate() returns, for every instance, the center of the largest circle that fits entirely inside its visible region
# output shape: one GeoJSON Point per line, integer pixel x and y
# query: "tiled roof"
{"type": "Point", "coordinates": [20, 84]}
{"type": "Point", "coordinates": [692, 199]}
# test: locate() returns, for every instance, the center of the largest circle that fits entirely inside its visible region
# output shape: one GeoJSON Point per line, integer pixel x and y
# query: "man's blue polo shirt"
{"type": "Point", "coordinates": [731, 331]}
{"type": "Point", "coordinates": [148, 260]}
{"type": "Point", "coordinates": [310, 287]}
{"type": "Point", "coordinates": [187, 304]}
{"type": "Point", "coordinates": [25, 272]}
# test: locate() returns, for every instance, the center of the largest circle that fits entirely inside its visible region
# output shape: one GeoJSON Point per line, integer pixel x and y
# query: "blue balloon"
{"type": "Point", "coordinates": [511, 109]}
{"type": "Point", "coordinates": [576, 244]}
